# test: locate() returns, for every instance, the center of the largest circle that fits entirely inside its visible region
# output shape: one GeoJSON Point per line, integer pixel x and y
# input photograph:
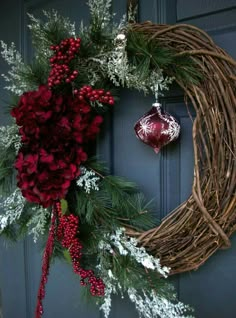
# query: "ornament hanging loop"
{"type": "Point", "coordinates": [156, 92]}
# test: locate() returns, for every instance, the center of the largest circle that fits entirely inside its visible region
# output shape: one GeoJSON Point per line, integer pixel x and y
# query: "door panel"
{"type": "Point", "coordinates": [187, 9]}
{"type": "Point", "coordinates": [166, 177]}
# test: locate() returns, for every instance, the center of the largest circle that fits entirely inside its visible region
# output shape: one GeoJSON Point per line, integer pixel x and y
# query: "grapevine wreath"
{"type": "Point", "coordinates": [52, 185]}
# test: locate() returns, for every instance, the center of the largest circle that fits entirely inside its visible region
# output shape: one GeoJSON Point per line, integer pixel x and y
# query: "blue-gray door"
{"type": "Point", "coordinates": [167, 177]}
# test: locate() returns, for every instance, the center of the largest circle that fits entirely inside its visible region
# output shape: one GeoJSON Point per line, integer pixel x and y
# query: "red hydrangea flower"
{"type": "Point", "coordinates": [54, 130]}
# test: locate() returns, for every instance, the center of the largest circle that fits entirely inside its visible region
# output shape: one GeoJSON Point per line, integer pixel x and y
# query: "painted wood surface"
{"type": "Point", "coordinates": [166, 177]}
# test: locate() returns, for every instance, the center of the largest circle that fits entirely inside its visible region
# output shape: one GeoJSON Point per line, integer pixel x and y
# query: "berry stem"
{"type": "Point", "coordinates": [46, 264]}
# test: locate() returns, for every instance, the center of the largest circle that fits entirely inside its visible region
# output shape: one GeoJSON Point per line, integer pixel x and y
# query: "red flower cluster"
{"type": "Point", "coordinates": [67, 235]}
{"type": "Point", "coordinates": [63, 54]}
{"type": "Point", "coordinates": [52, 129]}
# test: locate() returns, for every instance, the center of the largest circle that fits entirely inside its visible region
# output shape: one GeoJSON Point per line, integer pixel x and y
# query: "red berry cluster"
{"type": "Point", "coordinates": [45, 267]}
{"type": "Point", "coordinates": [100, 95]}
{"type": "Point", "coordinates": [64, 53]}
{"type": "Point", "coordinates": [67, 235]}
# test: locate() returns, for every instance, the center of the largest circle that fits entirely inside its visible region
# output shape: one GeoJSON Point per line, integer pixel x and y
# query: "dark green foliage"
{"type": "Point", "coordinates": [132, 274]}
{"type": "Point", "coordinates": [125, 268]}
{"type": "Point", "coordinates": [7, 170]}
{"type": "Point", "coordinates": [185, 69]}
{"type": "Point", "coordinates": [9, 233]}
{"type": "Point", "coordinates": [100, 24]}
{"type": "Point", "coordinates": [50, 32]}
{"type": "Point", "coordinates": [94, 40]}
{"type": "Point", "coordinates": [37, 73]}
{"type": "Point", "coordinates": [117, 203]}
{"type": "Point", "coordinates": [147, 55]}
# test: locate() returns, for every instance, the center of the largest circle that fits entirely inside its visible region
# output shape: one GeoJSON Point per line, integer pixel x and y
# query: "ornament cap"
{"type": "Point", "coordinates": [156, 104]}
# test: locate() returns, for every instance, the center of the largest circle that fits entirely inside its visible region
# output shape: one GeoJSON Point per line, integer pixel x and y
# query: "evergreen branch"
{"type": "Point", "coordinates": [50, 33]}
{"type": "Point", "coordinates": [9, 146]}
{"type": "Point", "coordinates": [148, 55]}
{"type": "Point", "coordinates": [132, 208]}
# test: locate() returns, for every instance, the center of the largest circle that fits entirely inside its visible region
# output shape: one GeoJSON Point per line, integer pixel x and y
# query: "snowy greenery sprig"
{"type": "Point", "coordinates": [13, 204]}
{"type": "Point", "coordinates": [10, 143]}
{"type": "Point", "coordinates": [129, 246]}
{"type": "Point", "coordinates": [22, 77]}
{"type": "Point", "coordinates": [118, 68]}
{"type": "Point", "coordinates": [88, 180]}
{"type": "Point", "coordinates": [11, 209]}
{"type": "Point", "coordinates": [113, 287]}
{"type": "Point", "coordinates": [13, 78]}
{"type": "Point", "coordinates": [148, 302]}
{"type": "Point", "coordinates": [150, 305]}
{"type": "Point", "coordinates": [122, 73]}
{"type": "Point", "coordinates": [42, 33]}
{"type": "Point", "coordinates": [9, 137]}
{"type": "Point", "coordinates": [37, 224]}
{"type": "Point", "coordinates": [100, 11]}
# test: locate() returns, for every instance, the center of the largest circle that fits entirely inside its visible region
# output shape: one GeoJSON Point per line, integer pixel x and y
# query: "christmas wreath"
{"type": "Point", "coordinates": [53, 186]}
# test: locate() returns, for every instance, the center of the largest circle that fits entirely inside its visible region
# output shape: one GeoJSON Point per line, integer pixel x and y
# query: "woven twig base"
{"type": "Point", "coordinates": [196, 229]}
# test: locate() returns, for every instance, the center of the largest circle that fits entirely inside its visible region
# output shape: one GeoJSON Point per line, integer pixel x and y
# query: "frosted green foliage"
{"type": "Point", "coordinates": [100, 12]}
{"type": "Point", "coordinates": [129, 246]}
{"type": "Point", "coordinates": [39, 35]}
{"type": "Point", "coordinates": [118, 67]}
{"type": "Point", "coordinates": [54, 17]}
{"type": "Point", "coordinates": [158, 83]}
{"type": "Point", "coordinates": [112, 288]}
{"type": "Point", "coordinates": [102, 30]}
{"type": "Point", "coordinates": [38, 222]}
{"type": "Point", "coordinates": [10, 143]}
{"type": "Point", "coordinates": [122, 73]}
{"type": "Point", "coordinates": [9, 136]}
{"type": "Point", "coordinates": [102, 18]}
{"type": "Point", "coordinates": [13, 78]}
{"type": "Point", "coordinates": [150, 305]}
{"type": "Point", "coordinates": [41, 31]}
{"type": "Point", "coordinates": [11, 209]}
{"type": "Point", "coordinates": [88, 180]}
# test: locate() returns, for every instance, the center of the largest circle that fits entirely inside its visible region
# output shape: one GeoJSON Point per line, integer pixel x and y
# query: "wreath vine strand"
{"type": "Point", "coordinates": [202, 224]}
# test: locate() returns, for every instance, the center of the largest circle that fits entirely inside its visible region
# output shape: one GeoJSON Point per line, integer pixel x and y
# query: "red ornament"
{"type": "Point", "coordinates": [157, 128]}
